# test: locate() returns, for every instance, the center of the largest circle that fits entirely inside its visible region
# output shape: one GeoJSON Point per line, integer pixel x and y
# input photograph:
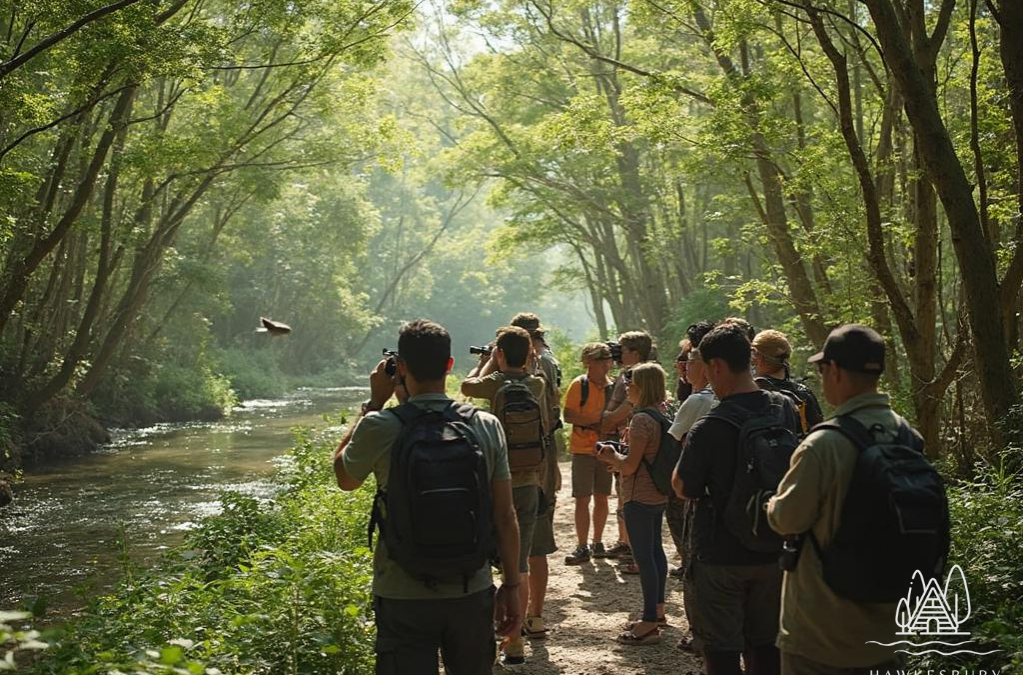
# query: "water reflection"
{"type": "Point", "coordinates": [59, 539]}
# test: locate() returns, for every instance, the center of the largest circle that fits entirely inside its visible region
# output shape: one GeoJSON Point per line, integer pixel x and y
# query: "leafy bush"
{"type": "Point", "coordinates": [986, 543]}
{"type": "Point", "coordinates": [253, 373]}
{"type": "Point", "coordinates": [279, 587]}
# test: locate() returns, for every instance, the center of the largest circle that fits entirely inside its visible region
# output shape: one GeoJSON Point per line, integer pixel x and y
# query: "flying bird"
{"type": "Point", "coordinates": [273, 328]}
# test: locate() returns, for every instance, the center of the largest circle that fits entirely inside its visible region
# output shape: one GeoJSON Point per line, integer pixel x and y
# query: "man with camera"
{"type": "Point", "coordinates": [544, 364]}
{"type": "Point", "coordinates": [632, 347]}
{"type": "Point", "coordinates": [432, 598]}
{"type": "Point", "coordinates": [519, 401]}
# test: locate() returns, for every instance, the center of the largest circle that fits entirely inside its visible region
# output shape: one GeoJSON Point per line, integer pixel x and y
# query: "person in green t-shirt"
{"type": "Point", "coordinates": [457, 615]}
{"type": "Point", "coordinates": [507, 363]}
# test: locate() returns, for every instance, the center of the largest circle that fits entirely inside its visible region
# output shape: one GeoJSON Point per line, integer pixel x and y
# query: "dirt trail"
{"type": "Point", "coordinates": [588, 605]}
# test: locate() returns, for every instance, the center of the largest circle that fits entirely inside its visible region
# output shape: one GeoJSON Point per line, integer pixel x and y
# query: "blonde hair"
{"type": "Point", "coordinates": [594, 351]}
{"type": "Point", "coordinates": [649, 379]}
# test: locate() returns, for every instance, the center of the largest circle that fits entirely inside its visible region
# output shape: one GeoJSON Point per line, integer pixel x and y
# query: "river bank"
{"type": "Point", "coordinates": [76, 522]}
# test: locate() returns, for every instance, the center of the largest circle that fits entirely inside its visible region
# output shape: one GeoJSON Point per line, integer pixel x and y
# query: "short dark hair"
{"type": "Point", "coordinates": [748, 329]}
{"type": "Point", "coordinates": [727, 341]}
{"type": "Point", "coordinates": [515, 343]}
{"type": "Point", "coordinates": [425, 347]}
{"type": "Point", "coordinates": [695, 332]}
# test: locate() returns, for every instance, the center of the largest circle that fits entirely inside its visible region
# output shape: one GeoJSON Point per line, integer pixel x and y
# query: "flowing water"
{"type": "Point", "coordinates": [61, 540]}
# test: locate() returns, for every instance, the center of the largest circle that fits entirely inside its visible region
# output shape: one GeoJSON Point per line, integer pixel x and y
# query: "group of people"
{"type": "Point", "coordinates": [734, 464]}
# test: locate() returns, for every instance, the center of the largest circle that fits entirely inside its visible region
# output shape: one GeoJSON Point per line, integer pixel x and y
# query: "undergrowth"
{"type": "Point", "coordinates": [278, 587]}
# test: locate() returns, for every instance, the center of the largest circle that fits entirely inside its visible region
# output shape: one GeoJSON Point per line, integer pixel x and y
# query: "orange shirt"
{"type": "Point", "coordinates": [583, 439]}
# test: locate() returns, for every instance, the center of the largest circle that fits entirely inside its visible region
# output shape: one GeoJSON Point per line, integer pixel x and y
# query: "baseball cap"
{"type": "Point", "coordinates": [853, 347]}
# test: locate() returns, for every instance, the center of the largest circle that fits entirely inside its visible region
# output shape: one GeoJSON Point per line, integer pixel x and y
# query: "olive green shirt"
{"type": "Point", "coordinates": [369, 451]}
{"type": "Point", "coordinates": [487, 387]}
{"type": "Point", "coordinates": [815, 622]}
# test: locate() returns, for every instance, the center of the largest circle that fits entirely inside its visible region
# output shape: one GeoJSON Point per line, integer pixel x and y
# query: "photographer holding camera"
{"type": "Point", "coordinates": [519, 401]}
{"type": "Point", "coordinates": [433, 591]}
{"type": "Point", "coordinates": [633, 347]}
{"type": "Point", "coordinates": [642, 503]}
{"type": "Point", "coordinates": [544, 365]}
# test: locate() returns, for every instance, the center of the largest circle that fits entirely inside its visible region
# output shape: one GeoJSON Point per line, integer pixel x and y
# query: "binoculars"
{"type": "Point", "coordinates": [483, 351]}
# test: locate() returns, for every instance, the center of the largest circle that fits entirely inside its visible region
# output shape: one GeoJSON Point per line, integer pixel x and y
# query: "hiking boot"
{"type": "Point", "coordinates": [618, 550]}
{"type": "Point", "coordinates": [534, 629]}
{"type": "Point", "coordinates": [597, 550]}
{"type": "Point", "coordinates": [580, 555]}
{"type": "Point", "coordinates": [514, 652]}
{"type": "Point", "coordinates": [678, 572]}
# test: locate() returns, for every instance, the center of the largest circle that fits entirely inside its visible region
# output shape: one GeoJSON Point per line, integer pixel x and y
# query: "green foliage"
{"type": "Point", "coordinates": [252, 373]}
{"type": "Point", "coordinates": [278, 587]}
{"type": "Point", "coordinates": [987, 531]}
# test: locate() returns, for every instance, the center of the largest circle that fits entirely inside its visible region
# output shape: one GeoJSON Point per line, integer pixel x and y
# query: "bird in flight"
{"type": "Point", "coordinates": [273, 328]}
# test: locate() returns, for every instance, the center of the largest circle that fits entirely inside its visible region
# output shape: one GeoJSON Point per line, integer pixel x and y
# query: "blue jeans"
{"type": "Point", "coordinates": [643, 523]}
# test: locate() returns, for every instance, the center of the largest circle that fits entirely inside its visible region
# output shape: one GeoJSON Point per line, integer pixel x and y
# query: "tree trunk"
{"type": "Point", "coordinates": [999, 389]}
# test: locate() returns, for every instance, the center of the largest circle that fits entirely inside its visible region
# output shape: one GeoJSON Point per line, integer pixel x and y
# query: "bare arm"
{"type": "Point", "coordinates": [507, 611]}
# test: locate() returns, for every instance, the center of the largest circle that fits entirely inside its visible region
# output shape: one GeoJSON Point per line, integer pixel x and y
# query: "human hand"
{"type": "Point", "coordinates": [382, 385]}
{"type": "Point", "coordinates": [508, 615]}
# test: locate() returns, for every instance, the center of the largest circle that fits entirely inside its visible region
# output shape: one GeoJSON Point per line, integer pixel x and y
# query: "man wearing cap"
{"type": "Point", "coordinates": [821, 633]}
{"type": "Point", "coordinates": [545, 365]}
{"type": "Point", "coordinates": [770, 359]}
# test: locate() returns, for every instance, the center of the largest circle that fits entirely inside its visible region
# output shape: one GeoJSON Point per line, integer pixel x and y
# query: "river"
{"type": "Point", "coordinates": [60, 540]}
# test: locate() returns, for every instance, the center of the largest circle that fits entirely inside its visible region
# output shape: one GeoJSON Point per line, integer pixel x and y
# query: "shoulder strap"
{"type": "Point", "coordinates": [851, 428]}
{"type": "Point", "coordinates": [406, 412]}
{"type": "Point", "coordinates": [657, 415]}
{"type": "Point", "coordinates": [584, 391]}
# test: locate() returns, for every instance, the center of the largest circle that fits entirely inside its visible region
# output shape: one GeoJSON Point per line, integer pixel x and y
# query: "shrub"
{"type": "Point", "coordinates": [277, 587]}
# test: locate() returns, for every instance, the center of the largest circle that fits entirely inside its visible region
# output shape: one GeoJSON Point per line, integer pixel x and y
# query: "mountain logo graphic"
{"type": "Point", "coordinates": [929, 610]}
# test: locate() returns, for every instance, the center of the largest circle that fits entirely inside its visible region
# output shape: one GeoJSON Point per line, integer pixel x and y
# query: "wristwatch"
{"type": "Point", "coordinates": [367, 406]}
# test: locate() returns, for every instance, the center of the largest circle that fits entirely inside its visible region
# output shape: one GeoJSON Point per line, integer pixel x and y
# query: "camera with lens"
{"type": "Point", "coordinates": [392, 363]}
{"type": "Point", "coordinates": [482, 351]}
{"type": "Point", "coordinates": [616, 350]}
{"type": "Point", "coordinates": [618, 447]}
{"type": "Point", "coordinates": [790, 556]}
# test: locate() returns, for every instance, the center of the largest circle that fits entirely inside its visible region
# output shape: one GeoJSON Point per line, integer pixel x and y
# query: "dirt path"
{"type": "Point", "coordinates": [587, 606]}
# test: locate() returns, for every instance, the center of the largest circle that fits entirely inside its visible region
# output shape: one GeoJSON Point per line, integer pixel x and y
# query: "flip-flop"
{"type": "Point", "coordinates": [651, 637]}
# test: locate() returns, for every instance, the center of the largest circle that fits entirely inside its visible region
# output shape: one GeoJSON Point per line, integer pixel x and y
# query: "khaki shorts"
{"type": "Point", "coordinates": [590, 476]}
{"type": "Point", "coordinates": [525, 501]}
{"type": "Point", "coordinates": [544, 532]}
{"type": "Point", "coordinates": [735, 607]}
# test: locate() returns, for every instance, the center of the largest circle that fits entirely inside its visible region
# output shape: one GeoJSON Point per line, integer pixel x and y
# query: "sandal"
{"type": "Point", "coordinates": [662, 623]}
{"type": "Point", "coordinates": [651, 637]}
{"type": "Point", "coordinates": [629, 568]}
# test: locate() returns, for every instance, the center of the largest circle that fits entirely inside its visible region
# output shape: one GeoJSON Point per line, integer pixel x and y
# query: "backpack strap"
{"type": "Point", "coordinates": [665, 425]}
{"type": "Point", "coordinates": [584, 391]}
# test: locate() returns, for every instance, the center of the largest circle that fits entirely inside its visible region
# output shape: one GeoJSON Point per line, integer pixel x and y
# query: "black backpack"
{"type": "Point", "coordinates": [520, 415]}
{"type": "Point", "coordinates": [800, 395]}
{"type": "Point", "coordinates": [667, 457]}
{"type": "Point", "coordinates": [435, 514]}
{"type": "Point", "coordinates": [766, 444]}
{"type": "Point", "coordinates": [895, 518]}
